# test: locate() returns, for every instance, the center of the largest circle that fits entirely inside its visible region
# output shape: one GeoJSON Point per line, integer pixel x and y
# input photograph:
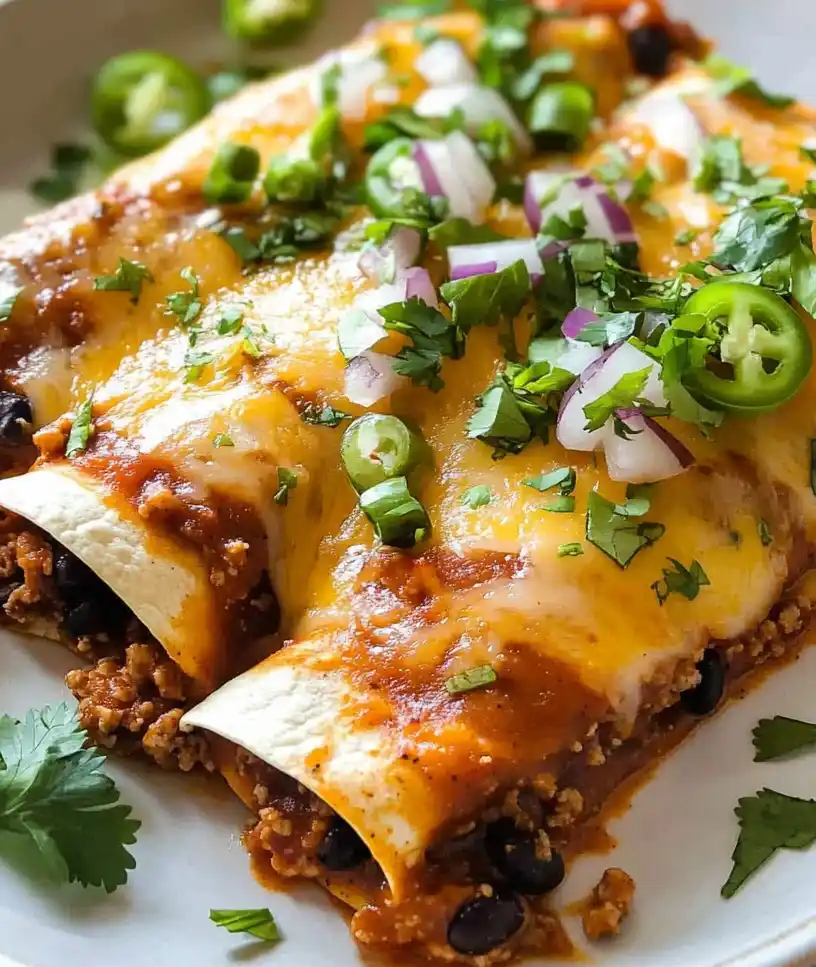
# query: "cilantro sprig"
{"type": "Point", "coordinates": [55, 795]}
{"type": "Point", "coordinates": [781, 736]}
{"type": "Point", "coordinates": [257, 923]}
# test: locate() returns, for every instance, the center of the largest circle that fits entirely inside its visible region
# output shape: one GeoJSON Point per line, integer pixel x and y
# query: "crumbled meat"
{"type": "Point", "coordinates": [609, 904]}
{"type": "Point", "coordinates": [290, 840]}
{"type": "Point", "coordinates": [32, 555]}
{"type": "Point", "coordinates": [134, 704]}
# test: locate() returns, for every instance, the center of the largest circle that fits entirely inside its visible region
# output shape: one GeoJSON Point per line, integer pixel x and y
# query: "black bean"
{"type": "Point", "coordinates": [485, 922]}
{"type": "Point", "coordinates": [650, 47]}
{"type": "Point", "coordinates": [342, 848]}
{"type": "Point", "coordinates": [16, 419]}
{"type": "Point", "coordinates": [706, 695]}
{"type": "Point", "coordinates": [513, 854]}
{"type": "Point", "coordinates": [103, 612]}
{"type": "Point", "coordinates": [71, 575]}
{"type": "Point", "coordinates": [6, 589]}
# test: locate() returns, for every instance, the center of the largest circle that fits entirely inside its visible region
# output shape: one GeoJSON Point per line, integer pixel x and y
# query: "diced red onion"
{"type": "Point", "coordinates": [418, 285]}
{"type": "Point", "coordinates": [578, 356]}
{"type": "Point", "coordinates": [398, 252]}
{"type": "Point", "coordinates": [360, 70]}
{"type": "Point", "coordinates": [444, 62]}
{"type": "Point", "coordinates": [486, 257]}
{"type": "Point", "coordinates": [576, 321]}
{"type": "Point", "coordinates": [369, 377]}
{"type": "Point", "coordinates": [471, 167]}
{"type": "Point", "coordinates": [423, 153]}
{"type": "Point", "coordinates": [453, 168]}
{"type": "Point", "coordinates": [673, 124]}
{"type": "Point", "coordinates": [478, 105]}
{"type": "Point", "coordinates": [606, 218]}
{"type": "Point", "coordinates": [650, 454]}
{"type": "Point", "coordinates": [598, 378]}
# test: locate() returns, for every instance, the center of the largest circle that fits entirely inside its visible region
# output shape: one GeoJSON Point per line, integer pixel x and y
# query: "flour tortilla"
{"type": "Point", "coordinates": [165, 586]}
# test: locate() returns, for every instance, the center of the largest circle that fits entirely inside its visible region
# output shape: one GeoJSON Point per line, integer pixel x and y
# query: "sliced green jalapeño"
{"type": "Point", "coordinates": [143, 99]}
{"type": "Point", "coordinates": [765, 350]}
{"type": "Point", "coordinates": [268, 21]}
{"type": "Point", "coordinates": [377, 447]}
{"type": "Point", "coordinates": [391, 179]}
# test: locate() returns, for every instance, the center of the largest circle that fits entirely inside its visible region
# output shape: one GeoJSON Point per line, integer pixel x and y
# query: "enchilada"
{"type": "Point", "coordinates": [511, 603]}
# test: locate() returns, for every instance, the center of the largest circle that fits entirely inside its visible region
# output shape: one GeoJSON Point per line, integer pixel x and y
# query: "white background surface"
{"type": "Point", "coordinates": [677, 839]}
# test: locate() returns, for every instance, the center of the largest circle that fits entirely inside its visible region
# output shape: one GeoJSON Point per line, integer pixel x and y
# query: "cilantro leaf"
{"type": "Point", "coordinates": [401, 122]}
{"type": "Point", "coordinates": [499, 420]}
{"type": "Point", "coordinates": [733, 79]}
{"type": "Point", "coordinates": [484, 300]}
{"type": "Point", "coordinates": [325, 415]}
{"type": "Point", "coordinates": [8, 298]}
{"type": "Point", "coordinates": [128, 277]}
{"type": "Point", "coordinates": [610, 328]}
{"type": "Point", "coordinates": [803, 277]}
{"type": "Point", "coordinates": [678, 579]}
{"type": "Point", "coordinates": [433, 336]}
{"type": "Point", "coordinates": [628, 389]}
{"type": "Point", "coordinates": [478, 496]}
{"type": "Point", "coordinates": [186, 305]}
{"type": "Point", "coordinates": [479, 677]}
{"type": "Point", "coordinates": [768, 821]}
{"type": "Point", "coordinates": [54, 792]}
{"type": "Point", "coordinates": [82, 429]}
{"type": "Point", "coordinates": [230, 320]}
{"type": "Point", "coordinates": [68, 164]}
{"type": "Point", "coordinates": [459, 231]}
{"type": "Point", "coordinates": [616, 534]}
{"type": "Point", "coordinates": [287, 480]}
{"type": "Point", "coordinates": [223, 440]}
{"type": "Point", "coordinates": [751, 237]}
{"type": "Point", "coordinates": [562, 477]}
{"type": "Point", "coordinates": [195, 361]}
{"type": "Point", "coordinates": [257, 923]}
{"type": "Point", "coordinates": [780, 736]}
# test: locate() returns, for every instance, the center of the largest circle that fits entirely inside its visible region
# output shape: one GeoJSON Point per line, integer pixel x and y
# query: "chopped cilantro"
{"type": "Point", "coordinates": [487, 299]}
{"type": "Point", "coordinates": [325, 415]}
{"type": "Point", "coordinates": [615, 167]}
{"type": "Point", "coordinates": [401, 122]}
{"type": "Point", "coordinates": [82, 429]}
{"type": "Point", "coordinates": [627, 391]}
{"type": "Point", "coordinates": [678, 579]}
{"type": "Point", "coordinates": [499, 420]}
{"type": "Point", "coordinates": [552, 62]}
{"type": "Point", "coordinates": [186, 305]}
{"type": "Point", "coordinates": [223, 440]}
{"type": "Point", "coordinates": [128, 277]}
{"type": "Point", "coordinates": [479, 677]}
{"type": "Point", "coordinates": [563, 478]}
{"type": "Point", "coordinates": [433, 337]}
{"type": "Point", "coordinates": [257, 923]}
{"type": "Point", "coordinates": [765, 535]}
{"type": "Point", "coordinates": [686, 236]}
{"type": "Point", "coordinates": [287, 480]}
{"type": "Point", "coordinates": [808, 152]}
{"type": "Point", "coordinates": [572, 549]}
{"type": "Point", "coordinates": [559, 505]}
{"type": "Point", "coordinates": [68, 164]}
{"type": "Point", "coordinates": [754, 235]}
{"type": "Point", "coordinates": [194, 362]}
{"type": "Point", "coordinates": [249, 343]}
{"type": "Point", "coordinates": [479, 496]}
{"type": "Point", "coordinates": [610, 328]}
{"type": "Point", "coordinates": [732, 79]}
{"type": "Point", "coordinates": [769, 821]}
{"type": "Point", "coordinates": [459, 231]}
{"type": "Point", "coordinates": [8, 298]}
{"type": "Point", "coordinates": [617, 535]}
{"type": "Point", "coordinates": [55, 795]}
{"type": "Point", "coordinates": [230, 320]}
{"type": "Point", "coordinates": [780, 736]}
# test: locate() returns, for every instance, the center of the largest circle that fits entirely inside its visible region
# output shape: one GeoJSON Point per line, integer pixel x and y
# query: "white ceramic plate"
{"type": "Point", "coordinates": [677, 838]}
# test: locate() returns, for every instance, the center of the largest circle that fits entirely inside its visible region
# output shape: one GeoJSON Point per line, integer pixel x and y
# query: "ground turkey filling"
{"type": "Point", "coordinates": [483, 894]}
{"type": "Point", "coordinates": [133, 696]}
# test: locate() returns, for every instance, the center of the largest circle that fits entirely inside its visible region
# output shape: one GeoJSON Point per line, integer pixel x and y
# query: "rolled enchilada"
{"type": "Point", "coordinates": [445, 718]}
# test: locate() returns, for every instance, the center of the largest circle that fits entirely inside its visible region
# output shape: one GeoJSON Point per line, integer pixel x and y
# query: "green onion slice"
{"type": "Point", "coordinates": [479, 677]}
{"type": "Point", "coordinates": [232, 174]}
{"type": "Point", "coordinates": [398, 518]}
